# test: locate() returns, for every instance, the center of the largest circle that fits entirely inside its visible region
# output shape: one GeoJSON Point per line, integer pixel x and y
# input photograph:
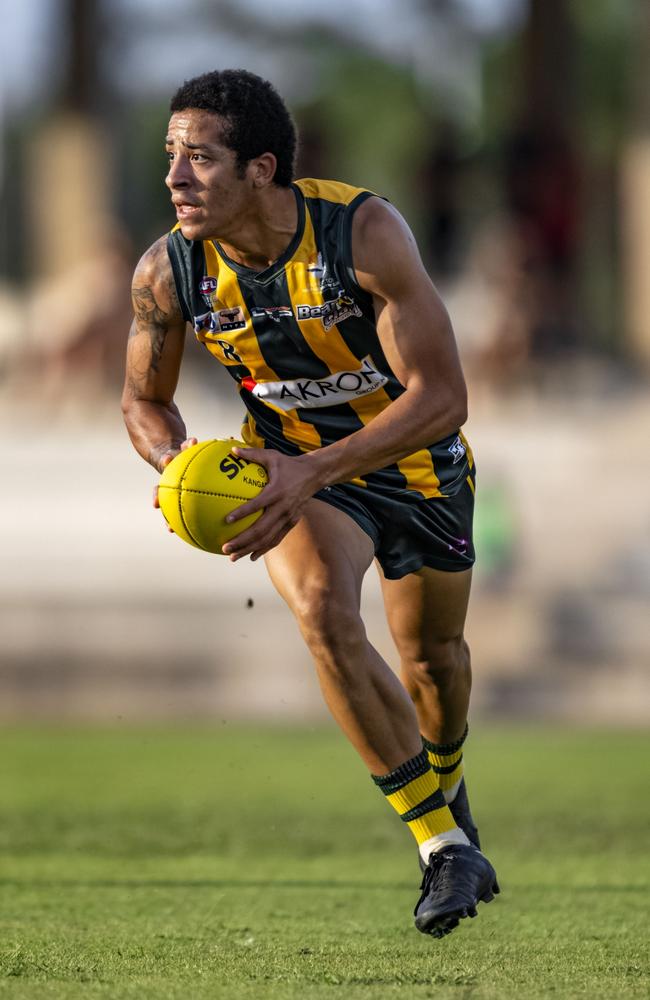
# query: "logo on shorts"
{"type": "Point", "coordinates": [220, 321]}
{"type": "Point", "coordinates": [342, 387]}
{"type": "Point", "coordinates": [460, 548]}
{"type": "Point", "coordinates": [458, 450]}
{"type": "Point", "coordinates": [332, 312]}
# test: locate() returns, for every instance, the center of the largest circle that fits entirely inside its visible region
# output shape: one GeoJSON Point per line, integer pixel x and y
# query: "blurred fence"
{"type": "Point", "coordinates": [104, 615]}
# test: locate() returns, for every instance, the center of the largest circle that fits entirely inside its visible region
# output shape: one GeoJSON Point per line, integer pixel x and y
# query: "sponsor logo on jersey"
{"type": "Point", "coordinates": [307, 393]}
{"type": "Point", "coordinates": [220, 321]}
{"type": "Point", "coordinates": [272, 312]}
{"type": "Point", "coordinates": [458, 450]}
{"type": "Point", "coordinates": [332, 312]}
{"type": "Point", "coordinates": [320, 271]}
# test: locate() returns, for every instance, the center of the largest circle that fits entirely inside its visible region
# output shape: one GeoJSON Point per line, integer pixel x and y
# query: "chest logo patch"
{"type": "Point", "coordinates": [275, 313]}
{"type": "Point", "coordinates": [307, 393]}
{"type": "Point", "coordinates": [320, 271]}
{"type": "Point", "coordinates": [208, 287]}
{"type": "Point", "coordinates": [220, 321]}
{"type": "Point", "coordinates": [332, 312]}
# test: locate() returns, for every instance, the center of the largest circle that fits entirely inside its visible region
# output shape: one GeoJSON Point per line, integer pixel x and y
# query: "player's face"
{"type": "Point", "coordinates": [209, 195]}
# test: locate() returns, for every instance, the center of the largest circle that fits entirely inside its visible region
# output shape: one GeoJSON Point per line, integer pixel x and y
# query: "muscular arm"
{"type": "Point", "coordinates": [417, 339]}
{"type": "Point", "coordinates": [154, 354]}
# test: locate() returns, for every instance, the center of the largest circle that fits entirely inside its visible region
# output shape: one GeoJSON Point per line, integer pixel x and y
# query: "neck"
{"type": "Point", "coordinates": [263, 236]}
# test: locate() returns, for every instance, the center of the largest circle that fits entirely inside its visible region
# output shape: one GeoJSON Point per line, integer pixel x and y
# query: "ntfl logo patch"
{"type": "Point", "coordinates": [221, 321]}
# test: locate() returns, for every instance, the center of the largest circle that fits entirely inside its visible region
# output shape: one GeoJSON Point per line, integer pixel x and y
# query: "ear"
{"type": "Point", "coordinates": [261, 170]}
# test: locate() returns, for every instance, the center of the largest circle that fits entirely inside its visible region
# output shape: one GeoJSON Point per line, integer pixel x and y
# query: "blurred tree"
{"type": "Point", "coordinates": [636, 195]}
{"type": "Point", "coordinates": [70, 155]}
{"type": "Point", "coordinates": [542, 170]}
{"type": "Point", "coordinates": [555, 108]}
{"type": "Point", "coordinates": [375, 127]}
{"type": "Point", "coordinates": [142, 199]}
{"type": "Point", "coordinates": [603, 64]}
{"type": "Point", "coordinates": [83, 87]}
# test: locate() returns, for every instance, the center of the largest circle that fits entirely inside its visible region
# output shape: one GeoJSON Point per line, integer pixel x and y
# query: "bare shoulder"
{"type": "Point", "coordinates": [378, 219]}
{"type": "Point", "coordinates": [384, 250]}
{"type": "Point", "coordinates": [153, 284]}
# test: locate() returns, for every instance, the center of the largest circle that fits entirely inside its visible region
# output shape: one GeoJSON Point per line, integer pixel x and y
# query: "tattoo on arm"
{"type": "Point", "coordinates": [157, 334]}
{"type": "Point", "coordinates": [153, 319]}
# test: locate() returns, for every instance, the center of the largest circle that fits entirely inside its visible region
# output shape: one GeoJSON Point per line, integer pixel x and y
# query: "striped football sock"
{"type": "Point", "coordinates": [413, 791]}
{"type": "Point", "coordinates": [447, 761]}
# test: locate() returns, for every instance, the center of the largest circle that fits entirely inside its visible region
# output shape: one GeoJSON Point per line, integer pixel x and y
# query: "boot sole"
{"type": "Point", "coordinates": [439, 924]}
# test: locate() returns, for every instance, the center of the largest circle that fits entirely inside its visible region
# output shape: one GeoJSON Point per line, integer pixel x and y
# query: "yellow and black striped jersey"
{"type": "Point", "coordinates": [300, 340]}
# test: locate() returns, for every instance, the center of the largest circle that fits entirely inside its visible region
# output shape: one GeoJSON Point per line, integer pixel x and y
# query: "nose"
{"type": "Point", "coordinates": [178, 175]}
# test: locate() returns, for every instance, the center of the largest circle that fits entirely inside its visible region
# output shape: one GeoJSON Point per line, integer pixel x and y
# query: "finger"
{"type": "Point", "coordinates": [156, 503]}
{"type": "Point", "coordinates": [259, 537]}
{"type": "Point", "coordinates": [265, 526]}
{"type": "Point", "coordinates": [271, 543]}
{"type": "Point", "coordinates": [259, 455]}
{"type": "Point", "coordinates": [243, 544]}
{"type": "Point", "coordinates": [246, 543]}
{"type": "Point", "coordinates": [258, 553]}
{"type": "Point", "coordinates": [248, 508]}
{"type": "Point", "coordinates": [169, 456]}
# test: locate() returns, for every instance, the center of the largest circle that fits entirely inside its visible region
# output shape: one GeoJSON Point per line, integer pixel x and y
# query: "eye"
{"type": "Point", "coordinates": [198, 157]}
{"type": "Point", "coordinates": [169, 155]}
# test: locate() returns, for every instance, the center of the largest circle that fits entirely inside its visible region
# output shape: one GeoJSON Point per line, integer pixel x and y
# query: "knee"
{"type": "Point", "coordinates": [332, 628]}
{"type": "Point", "coordinates": [437, 662]}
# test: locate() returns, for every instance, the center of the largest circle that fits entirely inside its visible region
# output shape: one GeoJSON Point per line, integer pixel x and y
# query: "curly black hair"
{"type": "Point", "coordinates": [256, 119]}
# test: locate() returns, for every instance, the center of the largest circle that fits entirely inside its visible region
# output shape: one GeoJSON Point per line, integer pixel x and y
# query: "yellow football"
{"type": "Point", "coordinates": [202, 485]}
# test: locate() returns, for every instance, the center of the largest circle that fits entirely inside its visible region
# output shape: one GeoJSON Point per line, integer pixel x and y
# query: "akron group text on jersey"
{"type": "Point", "coordinates": [339, 387]}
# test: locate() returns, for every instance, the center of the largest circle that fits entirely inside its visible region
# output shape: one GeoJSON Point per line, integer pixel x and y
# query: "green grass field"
{"type": "Point", "coordinates": [262, 863]}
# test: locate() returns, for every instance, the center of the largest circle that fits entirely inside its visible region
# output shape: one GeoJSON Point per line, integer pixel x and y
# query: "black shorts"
{"type": "Point", "coordinates": [409, 532]}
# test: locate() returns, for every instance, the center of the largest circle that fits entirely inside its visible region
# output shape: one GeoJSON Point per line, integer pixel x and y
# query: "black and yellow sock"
{"type": "Point", "coordinates": [447, 761]}
{"type": "Point", "coordinates": [413, 791]}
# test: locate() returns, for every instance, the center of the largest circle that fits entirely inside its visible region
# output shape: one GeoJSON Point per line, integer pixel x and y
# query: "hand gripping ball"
{"type": "Point", "coordinates": [201, 485]}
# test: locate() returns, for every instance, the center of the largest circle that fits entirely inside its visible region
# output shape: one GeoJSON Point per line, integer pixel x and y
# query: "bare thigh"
{"type": "Point", "coordinates": [325, 553]}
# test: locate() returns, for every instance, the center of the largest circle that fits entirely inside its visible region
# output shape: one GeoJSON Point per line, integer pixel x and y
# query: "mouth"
{"type": "Point", "coordinates": [185, 210]}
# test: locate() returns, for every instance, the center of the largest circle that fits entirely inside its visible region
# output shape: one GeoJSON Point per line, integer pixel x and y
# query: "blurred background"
{"type": "Point", "coordinates": [514, 135]}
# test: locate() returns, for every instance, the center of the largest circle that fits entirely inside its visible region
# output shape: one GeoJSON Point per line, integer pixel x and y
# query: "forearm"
{"type": "Point", "coordinates": [154, 428]}
{"type": "Point", "coordinates": [406, 425]}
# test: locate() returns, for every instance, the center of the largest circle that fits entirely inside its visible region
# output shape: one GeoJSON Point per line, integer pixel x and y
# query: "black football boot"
{"type": "Point", "coordinates": [455, 880]}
